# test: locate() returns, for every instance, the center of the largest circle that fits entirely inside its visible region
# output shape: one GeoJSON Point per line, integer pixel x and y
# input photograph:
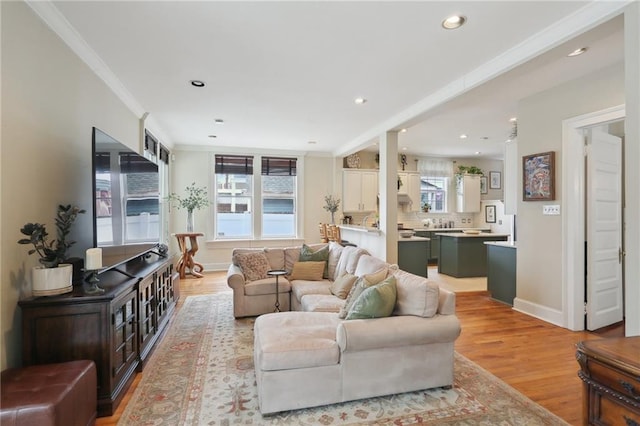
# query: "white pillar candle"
{"type": "Point", "coordinates": [93, 259]}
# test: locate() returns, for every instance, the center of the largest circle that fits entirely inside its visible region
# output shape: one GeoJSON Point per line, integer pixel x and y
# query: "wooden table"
{"type": "Point", "coordinates": [610, 370]}
{"type": "Point", "coordinates": [187, 252]}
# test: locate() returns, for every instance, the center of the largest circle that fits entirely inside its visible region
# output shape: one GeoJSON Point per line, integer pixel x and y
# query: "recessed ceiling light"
{"type": "Point", "coordinates": [360, 101]}
{"type": "Point", "coordinates": [577, 52]}
{"type": "Point", "coordinates": [219, 121]}
{"type": "Point", "coordinates": [453, 22]}
{"type": "Point", "coordinates": [484, 138]}
{"type": "Point", "coordinates": [463, 136]}
{"type": "Point", "coordinates": [404, 148]}
{"type": "Point", "coordinates": [312, 142]}
{"type": "Point", "coordinates": [212, 136]}
{"type": "Point", "coordinates": [403, 130]}
{"type": "Point", "coordinates": [197, 83]}
{"type": "Point", "coordinates": [478, 153]}
{"type": "Point", "coordinates": [513, 119]}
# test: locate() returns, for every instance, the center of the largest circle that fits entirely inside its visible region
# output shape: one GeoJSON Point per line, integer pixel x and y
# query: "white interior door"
{"type": "Point", "coordinates": [604, 230]}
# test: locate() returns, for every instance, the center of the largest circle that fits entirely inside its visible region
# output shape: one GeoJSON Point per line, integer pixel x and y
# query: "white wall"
{"type": "Point", "coordinates": [50, 101]}
{"type": "Point", "coordinates": [539, 272]}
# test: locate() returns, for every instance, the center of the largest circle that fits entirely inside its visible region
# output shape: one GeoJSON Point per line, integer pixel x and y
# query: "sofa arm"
{"type": "Point", "coordinates": [235, 278]}
{"type": "Point", "coordinates": [395, 331]}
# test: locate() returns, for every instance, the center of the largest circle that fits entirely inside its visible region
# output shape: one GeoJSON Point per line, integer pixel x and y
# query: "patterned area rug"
{"type": "Point", "coordinates": [202, 374]}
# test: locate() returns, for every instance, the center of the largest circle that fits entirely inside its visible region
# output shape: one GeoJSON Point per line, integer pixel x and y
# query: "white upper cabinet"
{"type": "Point", "coordinates": [468, 194]}
{"type": "Point", "coordinates": [411, 187]}
{"type": "Point", "coordinates": [359, 190]}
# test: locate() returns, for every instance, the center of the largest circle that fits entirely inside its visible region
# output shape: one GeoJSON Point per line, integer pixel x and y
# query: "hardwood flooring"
{"type": "Point", "coordinates": [532, 356]}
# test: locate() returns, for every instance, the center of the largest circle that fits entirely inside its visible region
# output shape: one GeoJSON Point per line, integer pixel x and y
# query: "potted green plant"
{"type": "Point", "coordinates": [196, 199]}
{"type": "Point", "coordinates": [54, 276]}
{"type": "Point", "coordinates": [467, 170]}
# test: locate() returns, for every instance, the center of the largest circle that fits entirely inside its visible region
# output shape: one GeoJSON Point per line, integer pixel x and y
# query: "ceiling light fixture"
{"type": "Point", "coordinates": [513, 119]}
{"type": "Point", "coordinates": [219, 121]}
{"type": "Point", "coordinates": [197, 83]}
{"type": "Point", "coordinates": [360, 101]}
{"type": "Point", "coordinates": [212, 136]}
{"type": "Point", "coordinates": [463, 136]}
{"type": "Point", "coordinates": [478, 153]}
{"type": "Point", "coordinates": [403, 130]}
{"type": "Point", "coordinates": [453, 22]}
{"type": "Point", "coordinates": [577, 52]}
{"type": "Point", "coordinates": [312, 142]}
{"type": "Point", "coordinates": [404, 148]}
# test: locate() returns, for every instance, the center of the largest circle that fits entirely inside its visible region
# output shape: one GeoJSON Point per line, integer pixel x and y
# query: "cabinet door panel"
{"type": "Point", "coordinates": [369, 191]}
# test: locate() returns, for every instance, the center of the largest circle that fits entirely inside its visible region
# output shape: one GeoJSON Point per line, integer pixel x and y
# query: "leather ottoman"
{"type": "Point", "coordinates": [63, 394]}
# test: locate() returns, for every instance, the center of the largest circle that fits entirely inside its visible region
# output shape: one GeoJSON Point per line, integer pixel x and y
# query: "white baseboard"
{"type": "Point", "coordinates": [544, 313]}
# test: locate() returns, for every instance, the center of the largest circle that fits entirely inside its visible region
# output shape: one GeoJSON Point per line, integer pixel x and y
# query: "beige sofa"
{"type": "Point", "coordinates": [310, 356]}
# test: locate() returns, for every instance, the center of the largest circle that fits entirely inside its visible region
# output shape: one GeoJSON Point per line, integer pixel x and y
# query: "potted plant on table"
{"type": "Point", "coordinates": [54, 276]}
{"type": "Point", "coordinates": [331, 205]}
{"type": "Point", "coordinates": [196, 199]}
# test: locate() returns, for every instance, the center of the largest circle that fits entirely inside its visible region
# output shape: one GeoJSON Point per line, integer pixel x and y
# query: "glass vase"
{"type": "Point", "coordinates": [190, 221]}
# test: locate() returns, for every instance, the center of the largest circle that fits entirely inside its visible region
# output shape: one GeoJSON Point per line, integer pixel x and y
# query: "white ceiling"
{"type": "Point", "coordinates": [282, 74]}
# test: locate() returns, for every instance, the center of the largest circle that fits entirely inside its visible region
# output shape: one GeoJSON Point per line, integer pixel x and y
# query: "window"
{"type": "Point", "coordinates": [234, 196]}
{"type": "Point", "coordinates": [433, 191]}
{"type": "Point", "coordinates": [278, 197]}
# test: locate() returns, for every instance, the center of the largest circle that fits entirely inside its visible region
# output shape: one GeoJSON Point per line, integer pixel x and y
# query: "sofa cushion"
{"type": "Point", "coordinates": [267, 286]}
{"type": "Point", "coordinates": [292, 255]}
{"type": "Point", "coordinates": [254, 265]}
{"type": "Point", "coordinates": [321, 303]}
{"type": "Point", "coordinates": [358, 287]}
{"type": "Point", "coordinates": [335, 250]}
{"type": "Point", "coordinates": [342, 285]}
{"type": "Point", "coordinates": [376, 301]}
{"type": "Point", "coordinates": [275, 256]}
{"type": "Point", "coordinates": [416, 295]}
{"type": "Point", "coordinates": [349, 260]}
{"type": "Point", "coordinates": [299, 288]}
{"type": "Point", "coordinates": [321, 254]}
{"type": "Point", "coordinates": [290, 340]}
{"type": "Point", "coordinates": [368, 264]}
{"type": "Point", "coordinates": [309, 270]}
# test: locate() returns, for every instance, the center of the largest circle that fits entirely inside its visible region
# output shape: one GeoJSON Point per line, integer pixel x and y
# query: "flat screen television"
{"type": "Point", "coordinates": [126, 188]}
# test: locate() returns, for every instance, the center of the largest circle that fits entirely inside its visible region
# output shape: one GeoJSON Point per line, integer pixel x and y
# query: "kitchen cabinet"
{"type": "Point", "coordinates": [465, 255]}
{"type": "Point", "coordinates": [359, 190]}
{"type": "Point", "coordinates": [411, 187]}
{"type": "Point", "coordinates": [468, 194]}
{"type": "Point", "coordinates": [501, 271]}
{"type": "Point", "coordinates": [117, 329]}
{"type": "Point", "coordinates": [412, 255]}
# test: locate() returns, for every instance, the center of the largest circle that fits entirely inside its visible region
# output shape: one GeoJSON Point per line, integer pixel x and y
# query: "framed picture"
{"type": "Point", "coordinates": [538, 176]}
{"type": "Point", "coordinates": [490, 214]}
{"type": "Point", "coordinates": [483, 185]}
{"type": "Point", "coordinates": [495, 180]}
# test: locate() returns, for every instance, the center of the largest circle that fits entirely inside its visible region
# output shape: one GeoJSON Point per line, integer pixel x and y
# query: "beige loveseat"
{"type": "Point", "coordinates": [311, 356]}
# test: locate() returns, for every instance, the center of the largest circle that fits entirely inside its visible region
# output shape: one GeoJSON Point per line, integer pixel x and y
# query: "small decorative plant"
{"type": "Point", "coordinates": [331, 205]}
{"type": "Point", "coordinates": [196, 199]}
{"type": "Point", "coordinates": [467, 170]}
{"type": "Point", "coordinates": [52, 252]}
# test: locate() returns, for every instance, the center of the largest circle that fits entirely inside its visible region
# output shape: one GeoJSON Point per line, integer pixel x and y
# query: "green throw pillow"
{"type": "Point", "coordinates": [376, 301]}
{"type": "Point", "coordinates": [307, 254]}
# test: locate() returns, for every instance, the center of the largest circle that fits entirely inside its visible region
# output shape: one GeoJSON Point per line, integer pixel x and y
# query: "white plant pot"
{"type": "Point", "coordinates": [52, 281]}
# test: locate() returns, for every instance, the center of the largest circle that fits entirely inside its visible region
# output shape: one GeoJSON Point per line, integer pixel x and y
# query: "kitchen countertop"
{"type": "Point", "coordinates": [414, 238]}
{"type": "Point", "coordinates": [463, 235]}
{"type": "Point", "coordinates": [508, 244]}
{"type": "Point", "coordinates": [432, 229]}
{"type": "Point", "coordinates": [359, 228]}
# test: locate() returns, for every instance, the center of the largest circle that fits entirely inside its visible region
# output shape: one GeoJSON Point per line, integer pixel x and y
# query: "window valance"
{"type": "Point", "coordinates": [435, 167]}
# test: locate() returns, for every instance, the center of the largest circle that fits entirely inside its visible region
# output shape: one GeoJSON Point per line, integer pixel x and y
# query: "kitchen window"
{"type": "Point", "coordinates": [433, 191]}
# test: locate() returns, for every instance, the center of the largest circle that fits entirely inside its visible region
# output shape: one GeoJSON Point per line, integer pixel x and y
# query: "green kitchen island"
{"type": "Point", "coordinates": [465, 255]}
{"type": "Point", "coordinates": [413, 255]}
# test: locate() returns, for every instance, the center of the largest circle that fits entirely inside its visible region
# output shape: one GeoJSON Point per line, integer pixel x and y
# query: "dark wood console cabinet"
{"type": "Point", "coordinates": [117, 329]}
{"type": "Point", "coordinates": [610, 370]}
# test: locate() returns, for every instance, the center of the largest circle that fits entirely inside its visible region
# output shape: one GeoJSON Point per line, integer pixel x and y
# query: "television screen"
{"type": "Point", "coordinates": [127, 200]}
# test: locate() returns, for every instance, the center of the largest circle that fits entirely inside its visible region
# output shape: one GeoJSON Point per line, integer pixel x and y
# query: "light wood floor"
{"type": "Point", "coordinates": [534, 357]}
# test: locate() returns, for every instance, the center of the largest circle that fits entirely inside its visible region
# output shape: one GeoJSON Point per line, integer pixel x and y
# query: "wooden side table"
{"type": "Point", "coordinates": [187, 252]}
{"type": "Point", "coordinates": [610, 370]}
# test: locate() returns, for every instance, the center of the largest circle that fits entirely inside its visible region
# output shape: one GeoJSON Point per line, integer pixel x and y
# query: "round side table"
{"type": "Point", "coordinates": [277, 273]}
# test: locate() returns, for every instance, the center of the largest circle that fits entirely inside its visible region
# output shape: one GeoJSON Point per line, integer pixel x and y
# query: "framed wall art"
{"type": "Point", "coordinates": [490, 214]}
{"type": "Point", "coordinates": [495, 180]}
{"type": "Point", "coordinates": [538, 176]}
{"type": "Point", "coordinates": [483, 185]}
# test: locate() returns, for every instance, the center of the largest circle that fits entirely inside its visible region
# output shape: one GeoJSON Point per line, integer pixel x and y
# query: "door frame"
{"type": "Point", "coordinates": [573, 219]}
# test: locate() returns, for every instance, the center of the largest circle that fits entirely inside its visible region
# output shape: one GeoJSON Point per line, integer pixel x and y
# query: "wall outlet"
{"type": "Point", "coordinates": [551, 209]}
